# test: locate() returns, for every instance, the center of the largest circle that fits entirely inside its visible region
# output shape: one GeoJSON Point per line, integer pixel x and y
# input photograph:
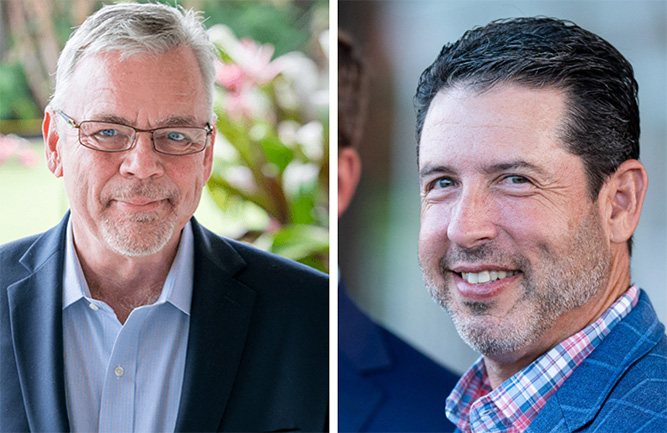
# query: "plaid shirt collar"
{"type": "Point", "coordinates": [474, 407]}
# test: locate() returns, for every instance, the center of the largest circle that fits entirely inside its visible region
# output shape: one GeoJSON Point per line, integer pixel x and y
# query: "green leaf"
{"type": "Point", "coordinates": [275, 151]}
{"type": "Point", "coordinates": [296, 241]}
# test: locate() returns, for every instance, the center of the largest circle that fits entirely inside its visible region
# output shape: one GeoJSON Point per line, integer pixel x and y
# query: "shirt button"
{"type": "Point", "coordinates": [93, 306]}
{"type": "Point", "coordinates": [118, 371]}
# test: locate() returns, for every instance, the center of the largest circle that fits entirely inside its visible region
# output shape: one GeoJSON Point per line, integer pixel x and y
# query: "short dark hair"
{"type": "Point", "coordinates": [602, 123]}
{"type": "Point", "coordinates": [352, 92]}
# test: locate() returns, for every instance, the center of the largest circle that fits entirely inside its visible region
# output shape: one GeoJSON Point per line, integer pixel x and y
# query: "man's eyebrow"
{"type": "Point", "coordinates": [429, 169]}
{"type": "Point", "coordinates": [513, 165]}
{"type": "Point", "coordinates": [179, 121]}
{"type": "Point", "coordinates": [111, 118]}
{"type": "Point", "coordinates": [170, 121]}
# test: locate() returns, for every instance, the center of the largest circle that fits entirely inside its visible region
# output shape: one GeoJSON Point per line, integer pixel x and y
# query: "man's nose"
{"type": "Point", "coordinates": [142, 161]}
{"type": "Point", "coordinates": [472, 220]}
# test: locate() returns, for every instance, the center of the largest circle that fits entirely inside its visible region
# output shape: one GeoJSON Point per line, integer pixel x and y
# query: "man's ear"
{"type": "Point", "coordinates": [349, 171]}
{"type": "Point", "coordinates": [208, 156]}
{"type": "Point", "coordinates": [51, 141]}
{"type": "Point", "coordinates": [624, 195]}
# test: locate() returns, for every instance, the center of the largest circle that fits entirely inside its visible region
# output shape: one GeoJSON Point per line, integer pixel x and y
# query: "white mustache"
{"type": "Point", "coordinates": [149, 190]}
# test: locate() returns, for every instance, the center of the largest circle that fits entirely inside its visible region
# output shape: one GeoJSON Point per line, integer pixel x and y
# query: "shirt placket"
{"type": "Point", "coordinates": [117, 408]}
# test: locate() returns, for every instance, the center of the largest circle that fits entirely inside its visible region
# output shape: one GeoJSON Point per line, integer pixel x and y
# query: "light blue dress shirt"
{"type": "Point", "coordinates": [126, 378]}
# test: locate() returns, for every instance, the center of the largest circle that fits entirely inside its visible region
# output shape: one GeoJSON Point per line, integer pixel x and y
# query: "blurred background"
{"type": "Point", "coordinates": [378, 234]}
{"type": "Point", "coordinates": [271, 177]}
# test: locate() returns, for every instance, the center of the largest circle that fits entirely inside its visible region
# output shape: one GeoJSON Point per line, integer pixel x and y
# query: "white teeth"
{"type": "Point", "coordinates": [486, 276]}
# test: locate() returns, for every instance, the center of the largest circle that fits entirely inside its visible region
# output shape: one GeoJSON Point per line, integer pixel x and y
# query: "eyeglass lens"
{"type": "Point", "coordinates": [113, 138]}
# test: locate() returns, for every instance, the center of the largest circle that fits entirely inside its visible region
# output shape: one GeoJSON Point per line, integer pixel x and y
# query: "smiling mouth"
{"type": "Point", "coordinates": [140, 204]}
{"type": "Point", "coordinates": [485, 276]}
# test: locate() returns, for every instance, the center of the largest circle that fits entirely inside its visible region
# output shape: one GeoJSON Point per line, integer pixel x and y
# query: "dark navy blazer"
{"type": "Point", "coordinates": [385, 385]}
{"type": "Point", "coordinates": [621, 386]}
{"type": "Point", "coordinates": [257, 356]}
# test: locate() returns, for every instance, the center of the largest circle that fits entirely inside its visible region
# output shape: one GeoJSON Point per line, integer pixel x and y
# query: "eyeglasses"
{"type": "Point", "coordinates": [114, 137]}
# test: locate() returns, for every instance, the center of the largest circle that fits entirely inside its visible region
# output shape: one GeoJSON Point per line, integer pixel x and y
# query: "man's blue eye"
{"type": "Point", "coordinates": [109, 132]}
{"type": "Point", "coordinates": [517, 180]}
{"type": "Point", "coordinates": [444, 183]}
{"type": "Point", "coordinates": [176, 136]}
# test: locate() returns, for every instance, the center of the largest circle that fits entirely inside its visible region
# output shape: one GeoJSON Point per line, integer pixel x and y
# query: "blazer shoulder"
{"type": "Point", "coordinates": [21, 257]}
{"type": "Point", "coordinates": [10, 256]}
{"type": "Point", "coordinates": [638, 402]}
{"type": "Point", "coordinates": [282, 280]}
{"type": "Point", "coordinates": [266, 273]}
{"type": "Point", "coordinates": [255, 257]}
{"type": "Point", "coordinates": [620, 386]}
{"type": "Point", "coordinates": [12, 251]}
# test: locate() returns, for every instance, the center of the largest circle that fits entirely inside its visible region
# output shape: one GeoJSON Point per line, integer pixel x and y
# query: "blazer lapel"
{"type": "Point", "coordinates": [582, 394]}
{"type": "Point", "coordinates": [219, 321]}
{"type": "Point", "coordinates": [35, 304]}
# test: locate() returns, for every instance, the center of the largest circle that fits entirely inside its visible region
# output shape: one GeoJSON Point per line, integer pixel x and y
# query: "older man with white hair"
{"type": "Point", "coordinates": [129, 315]}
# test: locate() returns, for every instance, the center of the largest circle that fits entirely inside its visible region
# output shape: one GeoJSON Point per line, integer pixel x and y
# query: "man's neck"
{"type": "Point", "coordinates": [124, 282]}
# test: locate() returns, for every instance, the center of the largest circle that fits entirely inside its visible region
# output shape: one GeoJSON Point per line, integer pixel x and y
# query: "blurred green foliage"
{"type": "Point", "coordinates": [285, 26]}
{"type": "Point", "coordinates": [17, 102]}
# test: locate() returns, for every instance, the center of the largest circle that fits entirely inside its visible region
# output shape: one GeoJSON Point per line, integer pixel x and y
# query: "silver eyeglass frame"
{"type": "Point", "coordinates": [72, 123]}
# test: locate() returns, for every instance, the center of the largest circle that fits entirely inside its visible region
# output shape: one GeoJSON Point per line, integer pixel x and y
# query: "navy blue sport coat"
{"type": "Point", "coordinates": [384, 384]}
{"type": "Point", "coordinates": [257, 354]}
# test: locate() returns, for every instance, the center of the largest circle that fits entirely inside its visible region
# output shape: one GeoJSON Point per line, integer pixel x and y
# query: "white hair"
{"type": "Point", "coordinates": [133, 28]}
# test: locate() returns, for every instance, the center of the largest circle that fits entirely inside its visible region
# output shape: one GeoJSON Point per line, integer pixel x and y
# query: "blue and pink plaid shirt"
{"type": "Point", "coordinates": [474, 407]}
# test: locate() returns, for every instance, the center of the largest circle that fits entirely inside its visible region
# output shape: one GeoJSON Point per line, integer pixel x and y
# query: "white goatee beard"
{"type": "Point", "coordinates": [151, 237]}
{"type": "Point", "coordinates": [136, 234]}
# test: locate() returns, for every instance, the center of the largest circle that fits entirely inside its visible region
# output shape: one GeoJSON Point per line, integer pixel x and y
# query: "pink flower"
{"type": "Point", "coordinates": [252, 67]}
{"type": "Point", "coordinates": [230, 76]}
{"type": "Point", "coordinates": [255, 59]}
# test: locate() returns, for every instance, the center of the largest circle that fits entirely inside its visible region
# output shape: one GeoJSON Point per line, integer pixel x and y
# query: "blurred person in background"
{"type": "Point", "coordinates": [129, 315]}
{"type": "Point", "coordinates": [384, 384]}
{"type": "Point", "coordinates": [531, 189]}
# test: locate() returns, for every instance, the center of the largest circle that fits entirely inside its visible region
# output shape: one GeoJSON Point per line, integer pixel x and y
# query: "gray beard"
{"type": "Point", "coordinates": [138, 235]}
{"type": "Point", "coordinates": [560, 284]}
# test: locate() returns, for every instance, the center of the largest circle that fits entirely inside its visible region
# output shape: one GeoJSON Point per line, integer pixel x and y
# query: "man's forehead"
{"type": "Point", "coordinates": [510, 105]}
{"type": "Point", "coordinates": [121, 66]}
{"type": "Point", "coordinates": [502, 113]}
{"type": "Point", "coordinates": [169, 87]}
{"type": "Point", "coordinates": [501, 125]}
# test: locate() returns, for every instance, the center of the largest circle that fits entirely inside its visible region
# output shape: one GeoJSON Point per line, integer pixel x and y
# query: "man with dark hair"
{"type": "Point", "coordinates": [383, 383]}
{"type": "Point", "coordinates": [528, 139]}
{"type": "Point", "coordinates": [129, 315]}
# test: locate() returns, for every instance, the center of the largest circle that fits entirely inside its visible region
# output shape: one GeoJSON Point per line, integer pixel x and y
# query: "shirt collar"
{"type": "Point", "coordinates": [75, 286]}
{"type": "Point", "coordinates": [518, 400]}
{"type": "Point", "coordinates": [177, 288]}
